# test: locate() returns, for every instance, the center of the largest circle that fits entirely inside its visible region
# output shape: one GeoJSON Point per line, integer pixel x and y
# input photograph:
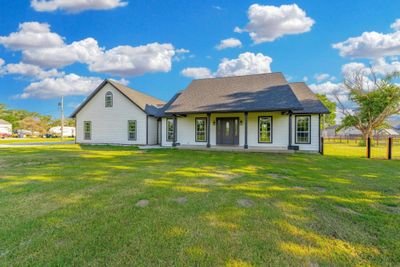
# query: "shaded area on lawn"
{"type": "Point", "coordinates": [64, 205]}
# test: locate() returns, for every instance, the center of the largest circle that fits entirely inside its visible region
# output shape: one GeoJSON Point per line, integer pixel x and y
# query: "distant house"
{"type": "Point", "coordinates": [68, 131]}
{"type": "Point", "coordinates": [351, 132]}
{"type": "Point", "coordinates": [262, 111]}
{"type": "Point", "coordinates": [330, 132]}
{"type": "Point", "coordinates": [387, 133]}
{"type": "Point", "coordinates": [5, 128]}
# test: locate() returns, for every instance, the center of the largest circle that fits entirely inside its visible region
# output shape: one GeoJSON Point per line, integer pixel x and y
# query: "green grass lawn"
{"type": "Point", "coordinates": [73, 205]}
{"type": "Point", "coordinates": [32, 140]}
{"type": "Point", "coordinates": [353, 149]}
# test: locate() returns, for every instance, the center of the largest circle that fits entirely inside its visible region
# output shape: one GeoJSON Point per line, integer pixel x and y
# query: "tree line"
{"type": "Point", "coordinates": [31, 121]}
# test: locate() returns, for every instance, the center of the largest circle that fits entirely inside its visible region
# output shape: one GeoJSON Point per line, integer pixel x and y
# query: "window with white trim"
{"type": "Point", "coordinates": [201, 129]}
{"type": "Point", "coordinates": [170, 130]}
{"type": "Point", "coordinates": [109, 100]}
{"type": "Point", "coordinates": [132, 130]}
{"type": "Point", "coordinates": [303, 129]}
{"type": "Point", "coordinates": [87, 130]}
{"type": "Point", "coordinates": [265, 129]}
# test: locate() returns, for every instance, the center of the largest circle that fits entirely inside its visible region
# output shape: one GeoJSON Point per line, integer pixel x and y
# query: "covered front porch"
{"type": "Point", "coordinates": [234, 131]}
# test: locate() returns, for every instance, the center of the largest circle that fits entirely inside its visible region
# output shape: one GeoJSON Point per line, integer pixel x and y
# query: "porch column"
{"type": "Point", "coordinates": [175, 129]}
{"type": "Point", "coordinates": [245, 130]}
{"type": "Point", "coordinates": [208, 129]}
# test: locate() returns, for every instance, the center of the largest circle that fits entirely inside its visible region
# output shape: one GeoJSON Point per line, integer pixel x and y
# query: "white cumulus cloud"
{"type": "Point", "coordinates": [229, 43]}
{"type": "Point", "coordinates": [245, 64]}
{"type": "Point", "coordinates": [41, 47]}
{"type": "Point", "coordinates": [197, 73]}
{"type": "Point", "coordinates": [32, 35]}
{"type": "Point", "coordinates": [70, 84]}
{"type": "Point", "coordinates": [134, 61]}
{"type": "Point", "coordinates": [396, 25]}
{"type": "Point", "coordinates": [267, 23]}
{"type": "Point", "coordinates": [371, 44]}
{"type": "Point", "coordinates": [75, 6]}
{"type": "Point", "coordinates": [30, 71]}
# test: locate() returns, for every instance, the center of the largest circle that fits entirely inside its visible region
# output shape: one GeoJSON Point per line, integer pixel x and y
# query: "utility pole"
{"type": "Point", "coordinates": [62, 117]}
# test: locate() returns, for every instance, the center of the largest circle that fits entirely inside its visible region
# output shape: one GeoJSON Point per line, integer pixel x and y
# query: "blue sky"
{"type": "Point", "coordinates": [45, 51]}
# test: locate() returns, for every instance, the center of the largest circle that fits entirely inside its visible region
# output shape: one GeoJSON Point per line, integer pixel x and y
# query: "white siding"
{"type": "Point", "coordinates": [280, 130]}
{"type": "Point", "coordinates": [110, 125]}
{"type": "Point", "coordinates": [314, 145]}
{"type": "Point", "coordinates": [152, 127]}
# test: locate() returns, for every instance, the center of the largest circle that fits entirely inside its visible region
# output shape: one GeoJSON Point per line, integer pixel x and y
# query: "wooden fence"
{"type": "Point", "coordinates": [377, 147]}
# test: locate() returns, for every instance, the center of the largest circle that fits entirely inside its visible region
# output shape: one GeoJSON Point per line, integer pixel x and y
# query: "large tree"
{"type": "Point", "coordinates": [328, 119]}
{"type": "Point", "coordinates": [375, 100]}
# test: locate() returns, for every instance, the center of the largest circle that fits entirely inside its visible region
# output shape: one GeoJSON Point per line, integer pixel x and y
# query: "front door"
{"type": "Point", "coordinates": [227, 131]}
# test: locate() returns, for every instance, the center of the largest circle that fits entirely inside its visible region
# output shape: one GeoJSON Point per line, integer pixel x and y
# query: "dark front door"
{"type": "Point", "coordinates": [227, 131]}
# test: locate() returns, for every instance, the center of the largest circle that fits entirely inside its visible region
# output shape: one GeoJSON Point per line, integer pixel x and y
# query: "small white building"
{"type": "Point", "coordinates": [261, 111]}
{"type": "Point", "coordinates": [5, 128]}
{"type": "Point", "coordinates": [68, 131]}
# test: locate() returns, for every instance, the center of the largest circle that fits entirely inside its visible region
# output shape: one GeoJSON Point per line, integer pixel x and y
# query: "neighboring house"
{"type": "Point", "coordinates": [349, 132]}
{"type": "Point", "coordinates": [260, 111]}
{"type": "Point", "coordinates": [68, 131]}
{"type": "Point", "coordinates": [330, 132]}
{"type": "Point", "coordinates": [387, 133]}
{"type": "Point", "coordinates": [5, 128]}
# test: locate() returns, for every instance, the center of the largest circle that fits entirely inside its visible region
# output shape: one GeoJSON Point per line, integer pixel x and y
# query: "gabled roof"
{"type": "Point", "coordinates": [3, 122]}
{"type": "Point", "coordinates": [310, 102]}
{"type": "Point", "coordinates": [148, 104]}
{"type": "Point", "coordinates": [257, 92]}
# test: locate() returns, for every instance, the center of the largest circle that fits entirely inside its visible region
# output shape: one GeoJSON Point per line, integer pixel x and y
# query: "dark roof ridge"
{"type": "Point", "coordinates": [297, 82]}
{"type": "Point", "coordinates": [235, 76]}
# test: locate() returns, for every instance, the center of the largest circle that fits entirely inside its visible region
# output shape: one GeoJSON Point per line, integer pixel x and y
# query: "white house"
{"type": "Point", "coordinates": [261, 111]}
{"type": "Point", "coordinates": [5, 128]}
{"type": "Point", "coordinates": [67, 131]}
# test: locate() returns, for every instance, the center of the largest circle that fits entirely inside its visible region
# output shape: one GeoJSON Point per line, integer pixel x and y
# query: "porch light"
{"type": "Point", "coordinates": [241, 122]}
{"type": "Point", "coordinates": [213, 122]}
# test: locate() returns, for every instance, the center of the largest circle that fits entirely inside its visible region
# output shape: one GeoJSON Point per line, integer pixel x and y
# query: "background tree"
{"type": "Point", "coordinates": [375, 99]}
{"type": "Point", "coordinates": [67, 122]}
{"type": "Point", "coordinates": [328, 119]}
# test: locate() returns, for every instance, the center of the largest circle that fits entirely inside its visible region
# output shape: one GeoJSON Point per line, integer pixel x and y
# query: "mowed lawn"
{"type": "Point", "coordinates": [73, 205]}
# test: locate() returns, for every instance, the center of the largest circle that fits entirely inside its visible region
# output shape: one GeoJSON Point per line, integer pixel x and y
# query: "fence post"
{"type": "Point", "coordinates": [321, 148]}
{"type": "Point", "coordinates": [369, 147]}
{"type": "Point", "coordinates": [390, 146]}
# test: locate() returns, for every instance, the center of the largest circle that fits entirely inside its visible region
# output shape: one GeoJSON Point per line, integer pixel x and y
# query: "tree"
{"type": "Point", "coordinates": [30, 123]}
{"type": "Point", "coordinates": [3, 109]}
{"type": "Point", "coordinates": [375, 99]}
{"type": "Point", "coordinates": [67, 122]}
{"type": "Point", "coordinates": [328, 119]}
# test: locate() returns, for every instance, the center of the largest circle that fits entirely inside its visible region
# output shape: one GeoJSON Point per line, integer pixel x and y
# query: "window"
{"type": "Point", "coordinates": [265, 129]}
{"type": "Point", "coordinates": [131, 130]}
{"type": "Point", "coordinates": [170, 130]}
{"type": "Point", "coordinates": [87, 129]}
{"type": "Point", "coordinates": [303, 129]}
{"type": "Point", "coordinates": [201, 129]}
{"type": "Point", "coordinates": [109, 99]}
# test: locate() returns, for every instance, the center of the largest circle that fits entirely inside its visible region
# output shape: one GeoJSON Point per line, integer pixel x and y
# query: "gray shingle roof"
{"type": "Point", "coordinates": [310, 102]}
{"type": "Point", "coordinates": [258, 92]}
{"type": "Point", "coordinates": [148, 104]}
{"type": "Point", "coordinates": [4, 122]}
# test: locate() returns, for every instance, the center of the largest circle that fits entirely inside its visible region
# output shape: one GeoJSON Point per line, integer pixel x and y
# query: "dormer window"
{"type": "Point", "coordinates": [109, 99]}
